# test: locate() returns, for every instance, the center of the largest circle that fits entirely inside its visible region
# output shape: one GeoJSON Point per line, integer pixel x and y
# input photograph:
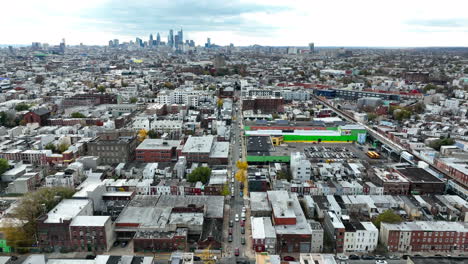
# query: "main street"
{"type": "Point", "coordinates": [236, 202]}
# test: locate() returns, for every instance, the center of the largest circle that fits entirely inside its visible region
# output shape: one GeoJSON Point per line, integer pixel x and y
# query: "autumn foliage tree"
{"type": "Point", "coordinates": [31, 206]}
{"type": "Point", "coordinates": [142, 134]}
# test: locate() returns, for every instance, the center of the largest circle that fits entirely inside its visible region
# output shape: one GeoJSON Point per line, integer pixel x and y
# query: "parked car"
{"type": "Point", "coordinates": [231, 223]}
{"type": "Point", "coordinates": [116, 243]}
{"type": "Point", "coordinates": [230, 231]}
{"type": "Point", "coordinates": [367, 257]}
{"type": "Point", "coordinates": [354, 257]}
{"type": "Point", "coordinates": [196, 258]}
{"type": "Point", "coordinates": [242, 223]}
{"type": "Point", "coordinates": [379, 257]}
{"type": "Point", "coordinates": [342, 257]}
{"type": "Point", "coordinates": [124, 244]}
{"type": "Point", "coordinates": [394, 257]}
{"type": "Point", "coordinates": [230, 238]}
{"type": "Point", "coordinates": [380, 262]}
{"type": "Point", "coordinates": [288, 258]}
{"type": "Point", "coordinates": [242, 230]}
{"type": "Point", "coordinates": [236, 252]}
{"type": "Point", "coordinates": [242, 240]}
{"type": "Point", "coordinates": [243, 209]}
{"type": "Point", "coordinates": [236, 218]}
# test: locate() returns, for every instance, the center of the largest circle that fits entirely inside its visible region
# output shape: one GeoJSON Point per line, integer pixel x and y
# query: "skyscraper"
{"type": "Point", "coordinates": [170, 38]}
{"type": "Point", "coordinates": [158, 39]}
{"type": "Point", "coordinates": [150, 42]}
{"type": "Point", "coordinates": [311, 47]}
{"type": "Point", "coordinates": [139, 42]}
{"type": "Point", "coordinates": [181, 36]}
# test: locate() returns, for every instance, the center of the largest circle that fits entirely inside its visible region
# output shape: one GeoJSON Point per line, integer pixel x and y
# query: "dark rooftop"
{"type": "Point", "coordinates": [259, 144]}
{"type": "Point", "coordinates": [418, 175]}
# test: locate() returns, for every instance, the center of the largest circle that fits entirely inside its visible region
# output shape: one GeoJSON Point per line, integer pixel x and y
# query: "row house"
{"type": "Point", "coordinates": [425, 236]}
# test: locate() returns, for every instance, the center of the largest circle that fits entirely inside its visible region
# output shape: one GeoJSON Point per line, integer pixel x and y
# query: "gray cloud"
{"type": "Point", "coordinates": [440, 23]}
{"type": "Point", "coordinates": [144, 17]}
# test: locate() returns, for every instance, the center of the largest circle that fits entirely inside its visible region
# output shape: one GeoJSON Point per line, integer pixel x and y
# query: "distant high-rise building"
{"type": "Point", "coordinates": [158, 39]}
{"type": "Point", "coordinates": [111, 43]}
{"type": "Point", "coordinates": [116, 42]}
{"type": "Point", "coordinates": [62, 46]}
{"type": "Point", "coordinates": [139, 42]}
{"type": "Point", "coordinates": [311, 47]}
{"type": "Point", "coordinates": [170, 38]}
{"type": "Point", "coordinates": [176, 41]}
{"type": "Point", "coordinates": [208, 43]}
{"type": "Point", "coordinates": [150, 42]}
{"type": "Point", "coordinates": [36, 46]}
{"type": "Point", "coordinates": [192, 43]}
{"type": "Point", "coordinates": [181, 36]}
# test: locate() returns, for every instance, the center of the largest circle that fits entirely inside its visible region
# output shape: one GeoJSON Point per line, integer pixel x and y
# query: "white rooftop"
{"type": "Point", "coordinates": [198, 144]}
{"type": "Point", "coordinates": [66, 210]}
{"type": "Point", "coordinates": [89, 220]}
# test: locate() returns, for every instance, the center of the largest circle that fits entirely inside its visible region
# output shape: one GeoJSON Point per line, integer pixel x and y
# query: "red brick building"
{"type": "Point", "coordinates": [39, 116]}
{"type": "Point", "coordinates": [268, 105]}
{"type": "Point", "coordinates": [425, 236]}
{"type": "Point", "coordinates": [158, 150]}
{"type": "Point", "coordinates": [91, 233]}
{"type": "Point", "coordinates": [155, 241]}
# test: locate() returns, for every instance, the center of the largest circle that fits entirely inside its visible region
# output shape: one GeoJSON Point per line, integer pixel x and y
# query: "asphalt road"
{"type": "Point", "coordinates": [361, 261]}
{"type": "Point", "coordinates": [237, 202]}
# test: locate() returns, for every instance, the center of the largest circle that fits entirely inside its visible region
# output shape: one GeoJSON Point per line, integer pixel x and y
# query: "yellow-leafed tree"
{"type": "Point", "coordinates": [242, 165]}
{"type": "Point", "coordinates": [220, 103]}
{"type": "Point", "coordinates": [142, 135]}
{"type": "Point", "coordinates": [240, 175]}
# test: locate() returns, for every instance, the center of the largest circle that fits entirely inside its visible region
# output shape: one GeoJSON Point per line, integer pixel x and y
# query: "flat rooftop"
{"type": "Point", "coordinates": [418, 175]}
{"type": "Point", "coordinates": [198, 144]}
{"type": "Point", "coordinates": [159, 144]}
{"type": "Point", "coordinates": [89, 220]}
{"type": "Point", "coordinates": [67, 209]}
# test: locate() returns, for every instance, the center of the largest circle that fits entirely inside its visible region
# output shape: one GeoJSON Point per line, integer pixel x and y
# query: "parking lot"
{"type": "Point", "coordinates": [329, 152]}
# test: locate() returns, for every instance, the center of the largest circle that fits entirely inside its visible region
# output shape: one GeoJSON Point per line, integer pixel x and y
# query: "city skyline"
{"type": "Point", "coordinates": [269, 23]}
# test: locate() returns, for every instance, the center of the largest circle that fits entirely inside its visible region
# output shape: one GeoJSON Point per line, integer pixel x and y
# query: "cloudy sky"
{"type": "Point", "coordinates": [402, 23]}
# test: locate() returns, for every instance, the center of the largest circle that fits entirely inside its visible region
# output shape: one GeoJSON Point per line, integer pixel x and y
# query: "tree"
{"type": "Point", "coordinates": [387, 217]}
{"type": "Point", "coordinates": [169, 85]}
{"type": "Point", "coordinates": [4, 166]}
{"type": "Point", "coordinates": [242, 165]}
{"type": "Point", "coordinates": [101, 88]}
{"type": "Point", "coordinates": [21, 107]}
{"type": "Point", "coordinates": [200, 174]}
{"type": "Point", "coordinates": [465, 71]}
{"type": "Point", "coordinates": [371, 116]}
{"type": "Point", "coordinates": [225, 191]}
{"type": "Point", "coordinates": [284, 175]}
{"type": "Point", "coordinates": [34, 204]}
{"type": "Point", "coordinates": [63, 147]}
{"type": "Point", "coordinates": [133, 100]}
{"type": "Point", "coordinates": [142, 134]}
{"type": "Point", "coordinates": [8, 120]}
{"type": "Point", "coordinates": [240, 175]}
{"type": "Point", "coordinates": [437, 144]}
{"type": "Point", "coordinates": [17, 238]}
{"type": "Point", "coordinates": [429, 87]}
{"type": "Point", "coordinates": [220, 103]}
{"type": "Point", "coordinates": [77, 115]}
{"type": "Point", "coordinates": [51, 146]}
{"type": "Point", "coordinates": [39, 79]}
{"type": "Point", "coordinates": [153, 134]}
